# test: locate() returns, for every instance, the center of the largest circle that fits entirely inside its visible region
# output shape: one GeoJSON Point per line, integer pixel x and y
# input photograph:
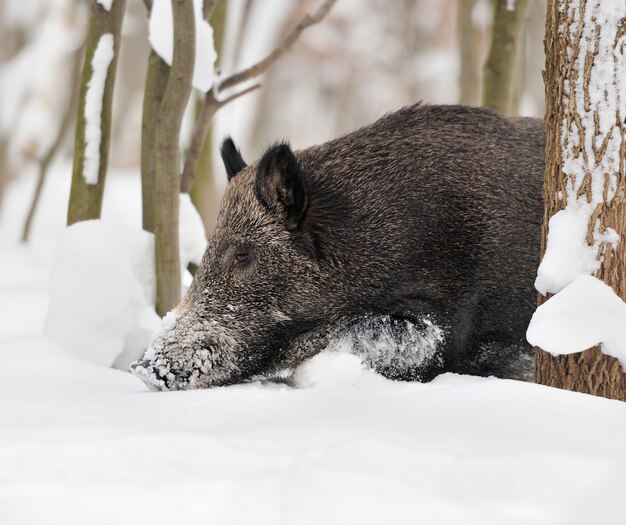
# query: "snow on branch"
{"type": "Point", "coordinates": [212, 102]}
{"type": "Point", "coordinates": [100, 63]}
{"type": "Point", "coordinates": [585, 313]}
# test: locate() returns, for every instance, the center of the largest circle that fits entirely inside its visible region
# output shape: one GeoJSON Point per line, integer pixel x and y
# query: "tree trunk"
{"type": "Point", "coordinates": [156, 81]}
{"type": "Point", "coordinates": [203, 191]}
{"type": "Point", "coordinates": [470, 51]}
{"type": "Point", "coordinates": [168, 273]}
{"type": "Point", "coordinates": [91, 150]}
{"type": "Point", "coordinates": [506, 38]}
{"type": "Point", "coordinates": [585, 152]}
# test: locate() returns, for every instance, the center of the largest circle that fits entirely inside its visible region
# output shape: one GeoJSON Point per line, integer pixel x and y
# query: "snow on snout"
{"type": "Point", "coordinates": [177, 358]}
{"type": "Point", "coordinates": [141, 369]}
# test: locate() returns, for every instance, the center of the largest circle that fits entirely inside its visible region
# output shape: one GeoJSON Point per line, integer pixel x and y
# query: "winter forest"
{"type": "Point", "coordinates": [312, 261]}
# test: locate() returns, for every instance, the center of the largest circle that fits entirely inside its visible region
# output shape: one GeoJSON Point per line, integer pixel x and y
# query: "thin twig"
{"type": "Point", "coordinates": [212, 102]}
{"type": "Point", "coordinates": [262, 66]}
{"type": "Point", "coordinates": [211, 105]}
{"type": "Point", "coordinates": [238, 94]}
{"type": "Point", "coordinates": [44, 162]}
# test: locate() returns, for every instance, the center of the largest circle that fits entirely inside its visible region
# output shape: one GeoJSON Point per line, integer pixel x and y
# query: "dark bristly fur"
{"type": "Point", "coordinates": [431, 210]}
{"type": "Point", "coordinates": [233, 161]}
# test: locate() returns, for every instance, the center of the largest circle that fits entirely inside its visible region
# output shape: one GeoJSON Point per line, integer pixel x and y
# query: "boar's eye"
{"type": "Point", "coordinates": [241, 258]}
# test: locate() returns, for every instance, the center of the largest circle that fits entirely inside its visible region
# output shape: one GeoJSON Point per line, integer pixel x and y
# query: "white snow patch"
{"type": "Point", "coordinates": [585, 313]}
{"type": "Point", "coordinates": [100, 62]}
{"type": "Point", "coordinates": [106, 4]}
{"type": "Point", "coordinates": [510, 5]}
{"type": "Point", "coordinates": [191, 233]}
{"type": "Point", "coordinates": [102, 293]}
{"type": "Point", "coordinates": [567, 253]}
{"type": "Point", "coordinates": [162, 41]}
{"type": "Point", "coordinates": [335, 369]}
{"type": "Point", "coordinates": [88, 444]}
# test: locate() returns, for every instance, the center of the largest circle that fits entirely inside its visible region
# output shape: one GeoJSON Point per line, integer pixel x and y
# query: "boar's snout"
{"type": "Point", "coordinates": [180, 357]}
{"type": "Point", "coordinates": [141, 369]}
{"type": "Point", "coordinates": [181, 370]}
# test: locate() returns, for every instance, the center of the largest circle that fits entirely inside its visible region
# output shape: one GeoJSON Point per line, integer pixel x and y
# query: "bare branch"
{"type": "Point", "coordinates": [44, 162]}
{"type": "Point", "coordinates": [212, 102]}
{"type": "Point", "coordinates": [210, 107]}
{"type": "Point", "coordinates": [238, 94]}
{"type": "Point", "coordinates": [262, 66]}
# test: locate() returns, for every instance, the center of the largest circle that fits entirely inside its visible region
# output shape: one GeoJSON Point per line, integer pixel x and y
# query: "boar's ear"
{"type": "Point", "coordinates": [233, 161]}
{"type": "Point", "coordinates": [280, 185]}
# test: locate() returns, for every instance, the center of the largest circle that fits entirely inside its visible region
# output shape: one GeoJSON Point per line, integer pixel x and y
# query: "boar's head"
{"type": "Point", "coordinates": [258, 286]}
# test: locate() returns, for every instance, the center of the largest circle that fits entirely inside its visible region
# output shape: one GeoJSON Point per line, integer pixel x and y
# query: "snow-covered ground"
{"type": "Point", "coordinates": [81, 443]}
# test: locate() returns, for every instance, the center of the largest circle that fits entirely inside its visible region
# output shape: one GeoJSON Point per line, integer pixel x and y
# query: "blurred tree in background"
{"type": "Point", "coordinates": [502, 71]}
{"type": "Point", "coordinates": [369, 57]}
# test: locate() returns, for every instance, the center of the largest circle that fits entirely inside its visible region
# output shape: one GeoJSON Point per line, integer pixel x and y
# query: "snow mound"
{"type": "Point", "coordinates": [102, 287]}
{"type": "Point", "coordinates": [334, 369]}
{"type": "Point", "coordinates": [582, 315]}
{"type": "Point", "coordinates": [102, 293]}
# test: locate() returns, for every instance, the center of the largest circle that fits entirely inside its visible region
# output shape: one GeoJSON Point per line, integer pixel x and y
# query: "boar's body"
{"type": "Point", "coordinates": [431, 212]}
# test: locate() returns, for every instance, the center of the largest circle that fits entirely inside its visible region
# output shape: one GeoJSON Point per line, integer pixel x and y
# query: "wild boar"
{"type": "Point", "coordinates": [430, 218]}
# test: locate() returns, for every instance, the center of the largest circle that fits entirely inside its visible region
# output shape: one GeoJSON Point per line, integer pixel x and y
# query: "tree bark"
{"type": "Point", "coordinates": [575, 65]}
{"type": "Point", "coordinates": [470, 51]}
{"type": "Point", "coordinates": [506, 39]}
{"type": "Point", "coordinates": [166, 216]}
{"type": "Point", "coordinates": [85, 198]}
{"type": "Point", "coordinates": [156, 81]}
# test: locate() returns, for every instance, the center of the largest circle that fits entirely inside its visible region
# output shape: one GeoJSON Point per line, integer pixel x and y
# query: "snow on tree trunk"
{"type": "Point", "coordinates": [93, 125]}
{"type": "Point", "coordinates": [584, 224]}
{"type": "Point", "coordinates": [504, 54]}
{"type": "Point", "coordinates": [166, 212]}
